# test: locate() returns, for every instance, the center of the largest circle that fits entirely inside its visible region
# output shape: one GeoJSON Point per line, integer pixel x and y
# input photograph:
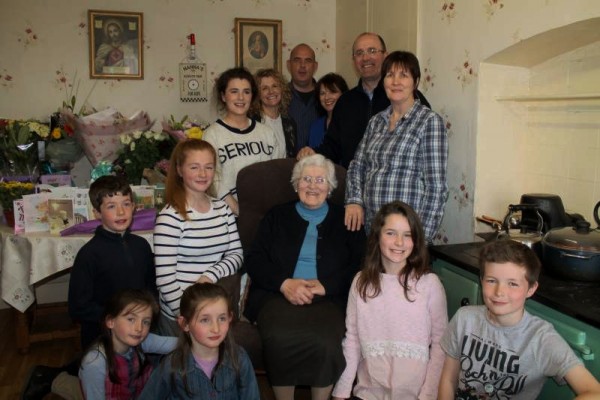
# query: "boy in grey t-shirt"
{"type": "Point", "coordinates": [500, 351]}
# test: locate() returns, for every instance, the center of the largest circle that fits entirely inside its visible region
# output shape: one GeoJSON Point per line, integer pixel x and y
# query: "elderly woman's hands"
{"type": "Point", "coordinates": [301, 291]}
{"type": "Point", "coordinates": [316, 287]}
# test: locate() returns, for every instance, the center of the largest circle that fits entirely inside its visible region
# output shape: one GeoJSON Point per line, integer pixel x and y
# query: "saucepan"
{"type": "Point", "coordinates": [572, 252]}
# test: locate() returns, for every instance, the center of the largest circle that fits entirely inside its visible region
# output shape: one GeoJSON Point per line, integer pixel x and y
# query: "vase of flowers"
{"type": "Point", "coordinates": [62, 148]}
{"type": "Point", "coordinates": [9, 192]}
{"type": "Point", "coordinates": [19, 147]}
{"type": "Point", "coordinates": [142, 150]}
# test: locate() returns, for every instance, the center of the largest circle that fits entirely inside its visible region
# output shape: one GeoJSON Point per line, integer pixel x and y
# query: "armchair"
{"type": "Point", "coordinates": [260, 187]}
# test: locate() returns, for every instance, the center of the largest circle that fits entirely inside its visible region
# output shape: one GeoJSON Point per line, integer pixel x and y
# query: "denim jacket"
{"type": "Point", "coordinates": [222, 386]}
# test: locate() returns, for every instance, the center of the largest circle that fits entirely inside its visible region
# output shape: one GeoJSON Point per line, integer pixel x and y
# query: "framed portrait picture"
{"type": "Point", "coordinates": [116, 50]}
{"type": "Point", "coordinates": [258, 43]}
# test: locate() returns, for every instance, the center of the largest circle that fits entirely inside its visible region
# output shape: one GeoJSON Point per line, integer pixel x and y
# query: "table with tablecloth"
{"type": "Point", "coordinates": [26, 259]}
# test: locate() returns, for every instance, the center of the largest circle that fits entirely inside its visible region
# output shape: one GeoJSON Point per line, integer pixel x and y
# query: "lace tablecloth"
{"type": "Point", "coordinates": [26, 259]}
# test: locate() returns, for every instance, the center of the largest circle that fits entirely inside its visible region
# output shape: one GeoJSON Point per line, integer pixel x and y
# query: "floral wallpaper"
{"type": "Point", "coordinates": [48, 60]}
{"type": "Point", "coordinates": [454, 38]}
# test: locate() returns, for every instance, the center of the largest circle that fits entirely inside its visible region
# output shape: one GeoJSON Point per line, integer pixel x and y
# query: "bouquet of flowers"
{"type": "Point", "coordinates": [12, 190]}
{"type": "Point", "coordinates": [184, 129]}
{"type": "Point", "coordinates": [18, 145]}
{"type": "Point", "coordinates": [142, 150]}
{"type": "Point", "coordinates": [98, 133]}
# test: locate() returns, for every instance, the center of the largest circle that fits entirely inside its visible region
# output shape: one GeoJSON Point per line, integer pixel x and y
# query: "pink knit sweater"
{"type": "Point", "coordinates": [392, 345]}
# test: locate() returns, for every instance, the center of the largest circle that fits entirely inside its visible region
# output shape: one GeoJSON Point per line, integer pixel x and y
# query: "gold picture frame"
{"type": "Point", "coordinates": [258, 43]}
{"type": "Point", "coordinates": [116, 44]}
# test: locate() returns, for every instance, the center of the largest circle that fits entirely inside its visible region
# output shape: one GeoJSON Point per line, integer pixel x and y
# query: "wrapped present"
{"type": "Point", "coordinates": [98, 133]}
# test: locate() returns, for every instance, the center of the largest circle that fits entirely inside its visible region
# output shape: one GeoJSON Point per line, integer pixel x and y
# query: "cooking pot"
{"type": "Point", "coordinates": [573, 252]}
{"type": "Point", "coordinates": [551, 208]}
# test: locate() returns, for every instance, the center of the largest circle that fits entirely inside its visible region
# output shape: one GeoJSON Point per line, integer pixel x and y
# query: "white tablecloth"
{"type": "Point", "coordinates": [26, 259]}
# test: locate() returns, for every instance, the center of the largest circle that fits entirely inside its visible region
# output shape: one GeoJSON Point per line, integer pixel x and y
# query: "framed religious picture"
{"type": "Point", "coordinates": [116, 50]}
{"type": "Point", "coordinates": [258, 43]}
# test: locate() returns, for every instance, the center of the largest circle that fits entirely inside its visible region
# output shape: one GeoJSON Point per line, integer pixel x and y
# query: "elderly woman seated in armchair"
{"type": "Point", "coordinates": [301, 265]}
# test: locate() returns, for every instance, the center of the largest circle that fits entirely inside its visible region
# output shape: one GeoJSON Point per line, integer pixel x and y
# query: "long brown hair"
{"type": "Point", "coordinates": [196, 295]}
{"type": "Point", "coordinates": [175, 191]}
{"type": "Point", "coordinates": [124, 302]}
{"type": "Point", "coordinates": [417, 264]}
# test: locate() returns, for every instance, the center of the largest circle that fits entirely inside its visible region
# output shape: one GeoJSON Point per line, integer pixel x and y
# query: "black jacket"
{"type": "Point", "coordinates": [274, 254]}
{"type": "Point", "coordinates": [107, 263]}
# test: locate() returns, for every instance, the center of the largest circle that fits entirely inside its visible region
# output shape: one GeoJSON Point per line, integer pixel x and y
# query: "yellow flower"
{"type": "Point", "coordinates": [56, 133]}
{"type": "Point", "coordinates": [194, 133]}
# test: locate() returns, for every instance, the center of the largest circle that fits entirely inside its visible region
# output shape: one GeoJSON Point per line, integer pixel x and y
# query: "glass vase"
{"type": "Point", "coordinates": [62, 154]}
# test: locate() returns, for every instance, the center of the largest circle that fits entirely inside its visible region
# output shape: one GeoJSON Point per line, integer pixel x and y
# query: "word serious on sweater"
{"type": "Point", "coordinates": [233, 150]}
{"type": "Point", "coordinates": [483, 361]}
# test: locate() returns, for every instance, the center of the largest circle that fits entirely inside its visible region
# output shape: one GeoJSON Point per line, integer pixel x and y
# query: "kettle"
{"type": "Point", "coordinates": [514, 228]}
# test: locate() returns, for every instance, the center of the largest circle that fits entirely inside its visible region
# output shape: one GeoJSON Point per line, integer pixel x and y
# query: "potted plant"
{"type": "Point", "coordinates": [9, 192]}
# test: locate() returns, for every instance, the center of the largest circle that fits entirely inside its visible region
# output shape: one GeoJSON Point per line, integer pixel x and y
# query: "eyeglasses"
{"type": "Point", "coordinates": [317, 180]}
{"type": "Point", "coordinates": [370, 51]}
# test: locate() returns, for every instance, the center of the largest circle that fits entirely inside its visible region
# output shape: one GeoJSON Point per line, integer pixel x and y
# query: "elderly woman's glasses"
{"type": "Point", "coordinates": [317, 180]}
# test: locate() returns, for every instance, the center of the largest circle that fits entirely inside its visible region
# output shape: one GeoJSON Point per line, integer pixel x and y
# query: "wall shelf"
{"type": "Point", "coordinates": [549, 98]}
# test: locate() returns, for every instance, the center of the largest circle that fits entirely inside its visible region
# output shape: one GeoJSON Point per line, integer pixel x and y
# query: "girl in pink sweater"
{"type": "Point", "coordinates": [396, 315]}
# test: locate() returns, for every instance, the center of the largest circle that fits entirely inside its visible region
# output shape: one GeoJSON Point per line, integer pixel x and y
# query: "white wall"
{"type": "Point", "coordinates": [453, 41]}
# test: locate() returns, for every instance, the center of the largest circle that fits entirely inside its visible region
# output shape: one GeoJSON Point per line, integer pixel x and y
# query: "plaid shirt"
{"type": "Point", "coordinates": [131, 384]}
{"type": "Point", "coordinates": [407, 164]}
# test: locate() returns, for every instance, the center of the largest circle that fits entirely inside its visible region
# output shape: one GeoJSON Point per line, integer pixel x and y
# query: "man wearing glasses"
{"type": "Point", "coordinates": [354, 109]}
{"type": "Point", "coordinates": [302, 66]}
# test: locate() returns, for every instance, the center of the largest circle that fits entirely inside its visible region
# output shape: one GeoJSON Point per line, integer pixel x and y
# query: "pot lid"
{"type": "Point", "coordinates": [580, 237]}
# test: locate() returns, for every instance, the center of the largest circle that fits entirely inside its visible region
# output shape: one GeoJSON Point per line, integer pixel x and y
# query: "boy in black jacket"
{"type": "Point", "coordinates": [113, 259]}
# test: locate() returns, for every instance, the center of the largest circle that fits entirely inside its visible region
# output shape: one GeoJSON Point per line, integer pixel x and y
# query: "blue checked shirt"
{"type": "Point", "coordinates": [407, 164]}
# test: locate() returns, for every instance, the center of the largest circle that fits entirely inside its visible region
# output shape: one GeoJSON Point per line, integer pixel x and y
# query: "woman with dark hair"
{"type": "Point", "coordinates": [239, 140]}
{"type": "Point", "coordinates": [396, 315]}
{"type": "Point", "coordinates": [329, 89]}
{"type": "Point", "coordinates": [301, 265]}
{"type": "Point", "coordinates": [271, 108]}
{"type": "Point", "coordinates": [403, 154]}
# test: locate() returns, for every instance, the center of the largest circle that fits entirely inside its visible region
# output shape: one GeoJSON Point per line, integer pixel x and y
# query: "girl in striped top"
{"type": "Point", "coordinates": [195, 236]}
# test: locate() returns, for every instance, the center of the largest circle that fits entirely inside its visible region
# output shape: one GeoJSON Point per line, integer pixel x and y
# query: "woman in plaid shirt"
{"type": "Point", "coordinates": [403, 154]}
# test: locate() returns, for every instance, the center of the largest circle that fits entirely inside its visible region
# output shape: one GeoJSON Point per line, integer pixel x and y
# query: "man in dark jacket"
{"type": "Point", "coordinates": [354, 109]}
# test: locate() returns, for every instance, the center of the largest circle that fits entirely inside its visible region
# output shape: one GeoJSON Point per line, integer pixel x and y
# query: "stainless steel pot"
{"type": "Point", "coordinates": [572, 252]}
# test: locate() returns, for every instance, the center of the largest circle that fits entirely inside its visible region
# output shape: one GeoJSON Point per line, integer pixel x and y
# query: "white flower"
{"type": "Point", "coordinates": [128, 161]}
{"type": "Point", "coordinates": [125, 139]}
{"type": "Point", "coordinates": [41, 129]}
{"type": "Point", "coordinates": [137, 134]}
{"type": "Point", "coordinates": [160, 136]}
{"type": "Point", "coordinates": [148, 135]}
{"type": "Point", "coordinates": [132, 146]}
